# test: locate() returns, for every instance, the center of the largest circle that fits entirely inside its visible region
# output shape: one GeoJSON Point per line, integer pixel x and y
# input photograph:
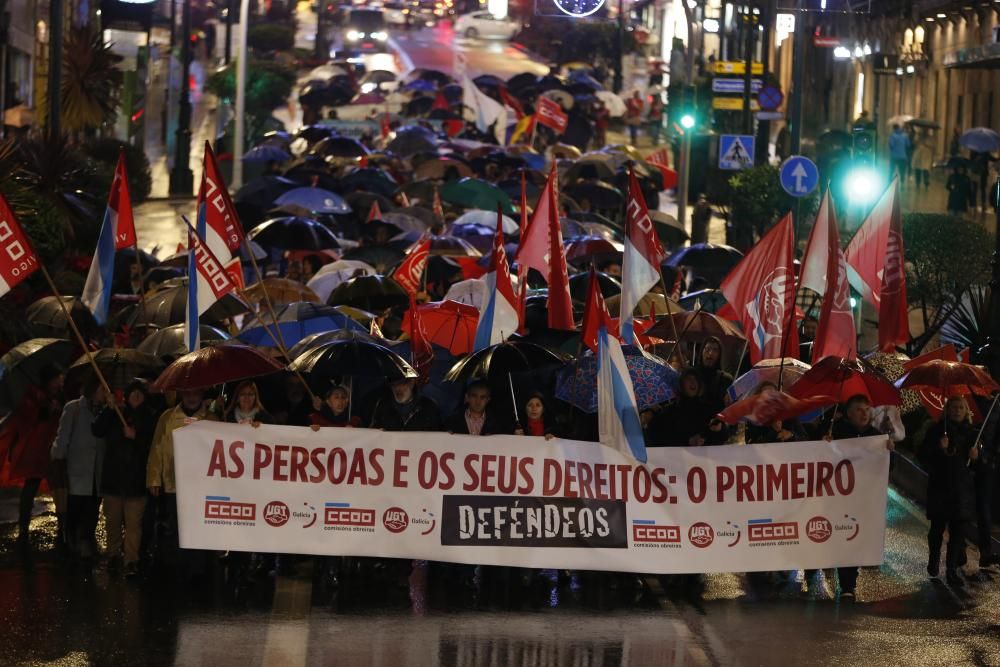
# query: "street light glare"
{"type": "Point", "coordinates": [863, 185]}
{"type": "Point", "coordinates": [687, 121]}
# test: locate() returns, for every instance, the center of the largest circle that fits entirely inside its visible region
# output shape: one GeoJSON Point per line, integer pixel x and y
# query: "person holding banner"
{"type": "Point", "coordinates": [334, 410]}
{"type": "Point", "coordinates": [537, 419]}
{"type": "Point", "coordinates": [246, 408]}
{"type": "Point", "coordinates": [714, 380]}
{"type": "Point", "coordinates": [404, 409]}
{"type": "Point", "coordinates": [475, 418]}
{"type": "Point", "coordinates": [947, 449]}
{"type": "Point", "coordinates": [788, 430]}
{"type": "Point", "coordinates": [688, 421]}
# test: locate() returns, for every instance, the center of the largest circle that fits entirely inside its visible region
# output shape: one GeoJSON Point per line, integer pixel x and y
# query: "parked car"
{"type": "Point", "coordinates": [484, 24]}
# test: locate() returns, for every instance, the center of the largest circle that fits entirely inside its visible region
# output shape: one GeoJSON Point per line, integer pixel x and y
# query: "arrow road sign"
{"type": "Point", "coordinates": [736, 151]}
{"type": "Point", "coordinates": [799, 176]}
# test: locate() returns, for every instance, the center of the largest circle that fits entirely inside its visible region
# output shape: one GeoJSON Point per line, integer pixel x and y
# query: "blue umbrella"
{"type": "Point", "coordinates": [580, 76]}
{"type": "Point", "coordinates": [267, 153]}
{"type": "Point", "coordinates": [420, 85]}
{"type": "Point", "coordinates": [980, 139]}
{"type": "Point", "coordinates": [316, 200]}
{"type": "Point", "coordinates": [653, 380]}
{"type": "Point", "coordinates": [295, 322]}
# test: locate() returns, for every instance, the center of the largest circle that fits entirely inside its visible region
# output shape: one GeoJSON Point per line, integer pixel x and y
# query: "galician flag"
{"type": "Point", "coordinates": [498, 318]}
{"type": "Point", "coordinates": [642, 258]}
{"type": "Point", "coordinates": [117, 233]}
{"type": "Point", "coordinates": [617, 413]}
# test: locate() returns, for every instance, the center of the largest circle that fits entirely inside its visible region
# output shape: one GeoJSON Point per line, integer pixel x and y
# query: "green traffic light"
{"type": "Point", "coordinates": [687, 121]}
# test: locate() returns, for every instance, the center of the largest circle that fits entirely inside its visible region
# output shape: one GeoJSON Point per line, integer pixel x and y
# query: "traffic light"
{"type": "Point", "coordinates": [686, 109]}
{"type": "Point", "coordinates": [687, 120]}
{"type": "Point", "coordinates": [863, 144]}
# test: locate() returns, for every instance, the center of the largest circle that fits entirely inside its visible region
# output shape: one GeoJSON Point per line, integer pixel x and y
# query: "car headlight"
{"type": "Point", "coordinates": [354, 35]}
{"type": "Point", "coordinates": [380, 36]}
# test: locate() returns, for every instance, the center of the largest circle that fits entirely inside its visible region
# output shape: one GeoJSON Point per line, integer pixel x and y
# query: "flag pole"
{"type": "Point", "coordinates": [83, 344]}
{"type": "Point", "coordinates": [513, 400]}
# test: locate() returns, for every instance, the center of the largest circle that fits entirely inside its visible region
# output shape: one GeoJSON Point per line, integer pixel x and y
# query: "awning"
{"type": "Point", "coordinates": [986, 56]}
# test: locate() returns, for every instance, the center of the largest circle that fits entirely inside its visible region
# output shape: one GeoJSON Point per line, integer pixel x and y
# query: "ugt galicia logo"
{"type": "Point", "coordinates": [276, 513]}
{"type": "Point", "coordinates": [395, 519]}
{"type": "Point", "coordinates": [819, 529]}
{"type": "Point", "coordinates": [701, 534]}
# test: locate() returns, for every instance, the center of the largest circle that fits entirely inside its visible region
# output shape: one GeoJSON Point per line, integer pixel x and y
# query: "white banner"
{"type": "Point", "coordinates": [520, 501]}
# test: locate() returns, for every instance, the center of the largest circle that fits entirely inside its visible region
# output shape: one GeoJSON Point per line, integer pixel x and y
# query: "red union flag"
{"type": "Point", "coordinates": [660, 157]}
{"type": "Point", "coordinates": [876, 255]}
{"type": "Point", "coordinates": [120, 203]}
{"type": "Point", "coordinates": [410, 273]}
{"type": "Point", "coordinates": [761, 288]}
{"type": "Point", "coordinates": [421, 351]}
{"type": "Point", "coordinates": [550, 114]}
{"type": "Point", "coordinates": [222, 226]}
{"type": "Point", "coordinates": [215, 273]}
{"type": "Point", "coordinates": [17, 258]}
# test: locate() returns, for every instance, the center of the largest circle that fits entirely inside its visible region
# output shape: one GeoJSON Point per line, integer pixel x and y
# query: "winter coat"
{"type": "Point", "coordinates": [326, 418]}
{"type": "Point", "coordinates": [262, 417]}
{"type": "Point", "coordinates": [425, 416]}
{"type": "Point", "coordinates": [80, 448]}
{"type": "Point", "coordinates": [950, 483]}
{"type": "Point", "coordinates": [491, 425]}
{"type": "Point", "coordinates": [28, 434]}
{"type": "Point", "coordinates": [758, 435]}
{"type": "Point", "coordinates": [715, 382]}
{"type": "Point", "coordinates": [684, 419]}
{"type": "Point", "coordinates": [843, 429]}
{"type": "Point", "coordinates": [124, 471]}
{"type": "Point", "coordinates": [160, 466]}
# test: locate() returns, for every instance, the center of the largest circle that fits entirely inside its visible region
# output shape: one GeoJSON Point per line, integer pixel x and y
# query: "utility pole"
{"type": "Point", "coordinates": [767, 18]}
{"type": "Point", "coordinates": [618, 81]}
{"type": "Point", "coordinates": [751, 28]}
{"type": "Point", "coordinates": [798, 78]}
{"type": "Point", "coordinates": [181, 177]}
{"type": "Point", "coordinates": [228, 53]}
{"type": "Point", "coordinates": [55, 68]}
{"type": "Point", "coordinates": [239, 131]}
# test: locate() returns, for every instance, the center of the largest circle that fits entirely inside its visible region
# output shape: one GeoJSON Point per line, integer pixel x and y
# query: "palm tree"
{"type": "Point", "coordinates": [91, 82]}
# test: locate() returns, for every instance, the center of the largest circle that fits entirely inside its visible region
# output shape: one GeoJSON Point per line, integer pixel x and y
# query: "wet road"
{"type": "Point", "coordinates": [54, 613]}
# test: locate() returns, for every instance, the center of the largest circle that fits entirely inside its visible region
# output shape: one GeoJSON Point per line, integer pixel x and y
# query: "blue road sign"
{"type": "Point", "coordinates": [736, 151]}
{"type": "Point", "coordinates": [799, 176]}
{"type": "Point", "coordinates": [734, 85]}
{"type": "Point", "coordinates": [770, 98]}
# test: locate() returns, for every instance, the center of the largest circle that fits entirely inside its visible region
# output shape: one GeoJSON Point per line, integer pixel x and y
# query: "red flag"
{"type": "Point", "coordinates": [120, 201]}
{"type": "Point", "coordinates": [410, 273]}
{"type": "Point", "coordinates": [220, 213]}
{"type": "Point", "coordinates": [595, 315]}
{"type": "Point", "coordinates": [386, 125]}
{"type": "Point", "coordinates": [438, 208]}
{"type": "Point", "coordinates": [522, 270]}
{"type": "Point", "coordinates": [675, 291]}
{"type": "Point", "coordinates": [374, 213]}
{"type": "Point", "coordinates": [440, 102]}
{"type": "Point", "coordinates": [550, 114]}
{"type": "Point", "coordinates": [421, 352]}
{"type": "Point", "coordinates": [770, 406]}
{"type": "Point", "coordinates": [542, 249]}
{"type": "Point", "coordinates": [660, 157]}
{"type": "Point", "coordinates": [876, 254]}
{"type": "Point", "coordinates": [512, 102]}
{"type": "Point", "coordinates": [216, 273]}
{"type": "Point", "coordinates": [17, 258]}
{"type": "Point", "coordinates": [761, 289]}
{"type": "Point", "coordinates": [824, 270]}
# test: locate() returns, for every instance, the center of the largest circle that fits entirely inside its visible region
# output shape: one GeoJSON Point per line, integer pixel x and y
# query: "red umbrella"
{"type": "Point", "coordinates": [215, 365]}
{"type": "Point", "coordinates": [949, 378]}
{"type": "Point", "coordinates": [449, 324]}
{"type": "Point", "coordinates": [842, 378]}
{"type": "Point", "coordinates": [591, 247]}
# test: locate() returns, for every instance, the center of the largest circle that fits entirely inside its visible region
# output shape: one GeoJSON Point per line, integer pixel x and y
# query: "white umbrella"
{"type": "Point", "coordinates": [326, 72]}
{"type": "Point", "coordinates": [560, 96]}
{"type": "Point", "coordinates": [470, 292]}
{"type": "Point", "coordinates": [333, 274]}
{"type": "Point", "coordinates": [487, 219]}
{"type": "Point", "coordinates": [615, 104]}
{"type": "Point", "coordinates": [901, 119]}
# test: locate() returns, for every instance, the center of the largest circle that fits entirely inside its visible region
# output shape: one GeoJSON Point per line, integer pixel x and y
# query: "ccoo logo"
{"type": "Point", "coordinates": [701, 534]}
{"type": "Point", "coordinates": [276, 513]}
{"type": "Point", "coordinates": [395, 519]}
{"type": "Point", "coordinates": [818, 529]}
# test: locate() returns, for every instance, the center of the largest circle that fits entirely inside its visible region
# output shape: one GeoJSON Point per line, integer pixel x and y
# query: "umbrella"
{"type": "Point", "coordinates": [314, 133]}
{"type": "Point", "coordinates": [767, 371]}
{"type": "Point", "coordinates": [479, 237]}
{"type": "Point", "coordinates": [695, 325]}
{"type": "Point", "coordinates": [843, 378]}
{"type": "Point", "coordinates": [494, 363]}
{"type": "Point", "coordinates": [522, 80]}
{"type": "Point", "coordinates": [768, 407]}
{"type": "Point", "coordinates": [448, 324]}
{"type": "Point", "coordinates": [405, 222]}
{"type": "Point", "coordinates": [614, 103]}
{"type": "Point", "coordinates": [382, 257]}
{"type": "Point", "coordinates": [425, 215]}
{"type": "Point", "coordinates": [579, 285]}
{"type": "Point", "coordinates": [900, 119]}
{"type": "Point", "coordinates": [476, 193]}
{"type": "Point", "coordinates": [337, 146]}
{"type": "Point", "coordinates": [949, 378]}
{"type": "Point", "coordinates": [583, 249]}
{"type": "Point", "coordinates": [373, 293]}
{"type": "Point", "coordinates": [326, 71]}
{"type": "Point", "coordinates": [379, 76]}
{"type": "Point", "coordinates": [22, 366]}
{"type": "Point", "coordinates": [293, 232]}
{"type": "Point", "coordinates": [267, 153]}
{"type": "Point", "coordinates": [708, 300]}
{"type": "Point", "coordinates": [472, 292]}
{"type": "Point", "coordinates": [668, 228]}
{"type": "Point", "coordinates": [442, 168]}
{"type": "Point", "coordinates": [168, 343]}
{"type": "Point", "coordinates": [280, 291]}
{"type": "Point", "coordinates": [452, 246]}
{"type": "Point", "coordinates": [651, 302]}
{"type": "Point", "coordinates": [169, 306]}
{"type": "Point", "coordinates": [353, 357]}
{"type": "Point", "coordinates": [592, 216]}
{"type": "Point", "coordinates": [956, 161]}
{"type": "Point", "coordinates": [316, 200]}
{"type": "Point", "coordinates": [47, 319]}
{"type": "Point", "coordinates": [327, 279]}
{"type": "Point", "coordinates": [370, 180]}
{"type": "Point", "coordinates": [653, 380]}
{"type": "Point", "coordinates": [599, 194]}
{"type": "Point", "coordinates": [420, 86]}
{"type": "Point", "coordinates": [980, 139]}
{"type": "Point", "coordinates": [428, 74]}
{"type": "Point", "coordinates": [893, 366]}
{"type": "Point", "coordinates": [412, 139]}
{"type": "Point", "coordinates": [119, 367]}
{"type": "Point", "coordinates": [362, 317]}
{"type": "Point", "coordinates": [705, 256]}
{"type": "Point", "coordinates": [588, 170]}
{"type": "Point", "coordinates": [317, 339]}
{"type": "Point", "coordinates": [261, 192]}
{"type": "Point", "coordinates": [295, 322]}
{"type": "Point", "coordinates": [211, 366]}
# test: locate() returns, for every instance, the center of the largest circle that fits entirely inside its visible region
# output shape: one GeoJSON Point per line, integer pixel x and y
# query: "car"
{"type": "Point", "coordinates": [396, 13]}
{"type": "Point", "coordinates": [365, 30]}
{"type": "Point", "coordinates": [485, 24]}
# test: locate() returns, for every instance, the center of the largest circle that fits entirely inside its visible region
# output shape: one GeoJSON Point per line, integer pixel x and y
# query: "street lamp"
{"type": "Point", "coordinates": [181, 177]}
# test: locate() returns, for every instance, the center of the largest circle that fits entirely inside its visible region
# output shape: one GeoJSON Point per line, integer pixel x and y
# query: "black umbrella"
{"type": "Point", "coordinates": [168, 343]}
{"type": "Point", "coordinates": [317, 339]}
{"type": "Point", "coordinates": [452, 92]}
{"type": "Point", "coordinates": [47, 319]}
{"type": "Point", "coordinates": [369, 179]}
{"type": "Point", "coordinates": [355, 357]}
{"type": "Point", "coordinates": [579, 285]}
{"type": "Point", "coordinates": [425, 215]}
{"type": "Point", "coordinates": [488, 81]}
{"type": "Point", "coordinates": [705, 256]}
{"type": "Point", "coordinates": [588, 170]}
{"type": "Point", "coordinates": [294, 233]}
{"type": "Point", "coordinates": [418, 106]}
{"type": "Point", "coordinates": [22, 366]}
{"type": "Point", "coordinates": [362, 202]}
{"type": "Point", "coordinates": [381, 257]}
{"type": "Point", "coordinates": [519, 82]}
{"type": "Point", "coordinates": [412, 139]}
{"type": "Point", "coordinates": [322, 93]}
{"type": "Point", "coordinates": [262, 191]}
{"type": "Point", "coordinates": [160, 274]}
{"type": "Point", "coordinates": [422, 190]}
{"type": "Point", "coordinates": [437, 76]}
{"type": "Point", "coordinates": [601, 195]}
{"type": "Point", "coordinates": [169, 306]}
{"type": "Point", "coordinates": [405, 222]}
{"type": "Point", "coordinates": [373, 293]}
{"type": "Point", "coordinates": [314, 133]}
{"type": "Point", "coordinates": [337, 146]}
{"type": "Point", "coordinates": [591, 216]}
{"type": "Point", "coordinates": [494, 363]}
{"type": "Point", "coordinates": [119, 367]}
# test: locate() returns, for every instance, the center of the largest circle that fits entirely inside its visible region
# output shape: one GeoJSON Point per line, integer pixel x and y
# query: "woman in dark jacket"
{"type": "Point", "coordinates": [947, 449]}
{"type": "Point", "coordinates": [714, 380]}
{"type": "Point", "coordinates": [246, 408]}
{"type": "Point", "coordinates": [335, 410]}
{"type": "Point", "coordinates": [536, 419]}
{"type": "Point", "coordinates": [690, 420]}
{"type": "Point", "coordinates": [123, 478]}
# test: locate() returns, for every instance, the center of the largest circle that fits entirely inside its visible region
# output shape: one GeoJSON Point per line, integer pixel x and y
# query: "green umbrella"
{"type": "Point", "coordinates": [476, 193]}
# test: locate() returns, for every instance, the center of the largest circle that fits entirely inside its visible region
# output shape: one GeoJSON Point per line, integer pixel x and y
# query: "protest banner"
{"type": "Point", "coordinates": [527, 502]}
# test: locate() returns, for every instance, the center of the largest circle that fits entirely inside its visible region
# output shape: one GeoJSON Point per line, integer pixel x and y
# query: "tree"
{"type": "Point", "coordinates": [91, 81]}
{"type": "Point", "coordinates": [945, 257]}
{"type": "Point", "coordinates": [268, 87]}
{"type": "Point", "coordinates": [267, 37]}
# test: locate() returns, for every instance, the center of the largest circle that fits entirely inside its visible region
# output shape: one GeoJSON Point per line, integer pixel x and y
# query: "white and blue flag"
{"type": "Point", "coordinates": [617, 412]}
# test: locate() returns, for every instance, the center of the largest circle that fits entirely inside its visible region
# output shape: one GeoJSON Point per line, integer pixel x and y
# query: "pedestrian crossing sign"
{"type": "Point", "coordinates": [736, 151]}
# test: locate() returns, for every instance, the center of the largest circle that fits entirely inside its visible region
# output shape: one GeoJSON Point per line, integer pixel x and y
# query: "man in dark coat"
{"type": "Point", "coordinates": [404, 409]}
{"type": "Point", "coordinates": [475, 418]}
